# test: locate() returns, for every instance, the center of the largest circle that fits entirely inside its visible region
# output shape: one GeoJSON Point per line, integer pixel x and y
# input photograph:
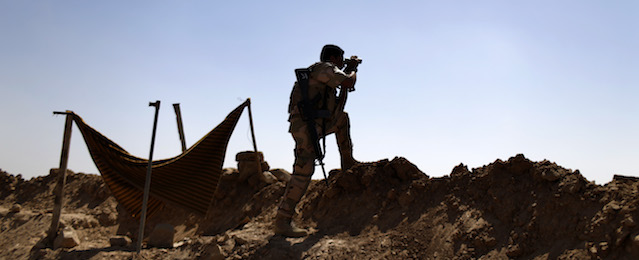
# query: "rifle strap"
{"type": "Point", "coordinates": [309, 114]}
{"type": "Point", "coordinates": [308, 111]}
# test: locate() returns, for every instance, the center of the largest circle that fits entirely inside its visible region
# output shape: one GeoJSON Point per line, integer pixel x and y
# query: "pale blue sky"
{"type": "Point", "coordinates": [442, 83]}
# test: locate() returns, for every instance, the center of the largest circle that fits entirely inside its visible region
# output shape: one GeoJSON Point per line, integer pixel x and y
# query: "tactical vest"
{"type": "Point", "coordinates": [322, 88]}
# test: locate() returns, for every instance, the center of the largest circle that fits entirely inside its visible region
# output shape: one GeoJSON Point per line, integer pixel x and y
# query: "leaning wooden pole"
{"type": "Point", "coordinates": [147, 184]}
{"type": "Point", "coordinates": [178, 117]}
{"type": "Point", "coordinates": [61, 180]}
{"type": "Point", "coordinates": [257, 154]}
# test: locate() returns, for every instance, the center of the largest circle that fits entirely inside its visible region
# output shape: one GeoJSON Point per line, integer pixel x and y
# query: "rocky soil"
{"type": "Point", "coordinates": [515, 209]}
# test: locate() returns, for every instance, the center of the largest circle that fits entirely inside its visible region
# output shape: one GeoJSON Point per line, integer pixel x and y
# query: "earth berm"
{"type": "Point", "coordinates": [514, 209]}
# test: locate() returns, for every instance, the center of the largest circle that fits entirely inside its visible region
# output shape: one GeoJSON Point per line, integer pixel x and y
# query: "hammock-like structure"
{"type": "Point", "coordinates": [188, 180]}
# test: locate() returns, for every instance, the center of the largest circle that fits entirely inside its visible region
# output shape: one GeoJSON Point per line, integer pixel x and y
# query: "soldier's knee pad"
{"type": "Point", "coordinates": [304, 162]}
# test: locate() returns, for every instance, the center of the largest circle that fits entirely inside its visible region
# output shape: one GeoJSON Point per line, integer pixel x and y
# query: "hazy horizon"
{"type": "Point", "coordinates": [441, 84]}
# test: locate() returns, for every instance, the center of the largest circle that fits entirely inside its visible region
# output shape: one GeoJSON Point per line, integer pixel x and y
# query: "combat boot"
{"type": "Point", "coordinates": [346, 154]}
{"type": "Point", "coordinates": [348, 161]}
{"type": "Point", "coordinates": [345, 144]}
{"type": "Point", "coordinates": [285, 227]}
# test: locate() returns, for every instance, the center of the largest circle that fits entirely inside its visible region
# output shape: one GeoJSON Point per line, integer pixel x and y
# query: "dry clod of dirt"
{"type": "Point", "coordinates": [67, 238]}
{"type": "Point", "coordinates": [162, 236]}
{"type": "Point", "coordinates": [15, 208]}
{"type": "Point", "coordinates": [120, 241]}
{"type": "Point", "coordinates": [281, 174]}
{"type": "Point", "coordinates": [389, 209]}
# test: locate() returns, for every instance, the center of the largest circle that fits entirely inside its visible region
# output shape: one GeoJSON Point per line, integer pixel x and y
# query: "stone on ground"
{"type": "Point", "coordinates": [162, 236]}
{"type": "Point", "coordinates": [67, 238]}
{"type": "Point", "coordinates": [120, 241]}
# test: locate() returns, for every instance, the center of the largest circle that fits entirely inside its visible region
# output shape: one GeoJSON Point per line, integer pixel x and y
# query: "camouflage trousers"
{"type": "Point", "coordinates": [304, 165]}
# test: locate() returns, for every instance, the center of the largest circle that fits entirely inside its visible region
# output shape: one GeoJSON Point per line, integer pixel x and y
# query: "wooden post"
{"type": "Point", "coordinates": [178, 117]}
{"type": "Point", "coordinates": [147, 184]}
{"type": "Point", "coordinates": [62, 170]}
{"type": "Point", "coordinates": [257, 155]}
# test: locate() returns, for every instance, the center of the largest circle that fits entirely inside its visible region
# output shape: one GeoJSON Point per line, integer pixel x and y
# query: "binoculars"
{"type": "Point", "coordinates": [353, 60]}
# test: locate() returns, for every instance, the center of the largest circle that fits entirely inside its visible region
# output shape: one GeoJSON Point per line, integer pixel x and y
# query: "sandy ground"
{"type": "Point", "coordinates": [515, 209]}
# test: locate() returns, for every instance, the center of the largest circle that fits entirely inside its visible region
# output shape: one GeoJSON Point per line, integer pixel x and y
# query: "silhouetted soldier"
{"type": "Point", "coordinates": [322, 110]}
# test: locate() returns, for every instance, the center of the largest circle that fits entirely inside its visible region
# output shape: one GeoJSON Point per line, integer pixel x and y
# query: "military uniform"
{"type": "Point", "coordinates": [322, 90]}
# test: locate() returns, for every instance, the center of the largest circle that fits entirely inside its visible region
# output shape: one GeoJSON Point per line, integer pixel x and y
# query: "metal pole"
{"type": "Point", "coordinates": [147, 184]}
{"type": "Point", "coordinates": [257, 155]}
{"type": "Point", "coordinates": [59, 188]}
{"type": "Point", "coordinates": [178, 117]}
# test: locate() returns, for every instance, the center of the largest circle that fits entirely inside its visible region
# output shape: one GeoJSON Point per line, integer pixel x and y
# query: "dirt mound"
{"type": "Point", "coordinates": [387, 209]}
